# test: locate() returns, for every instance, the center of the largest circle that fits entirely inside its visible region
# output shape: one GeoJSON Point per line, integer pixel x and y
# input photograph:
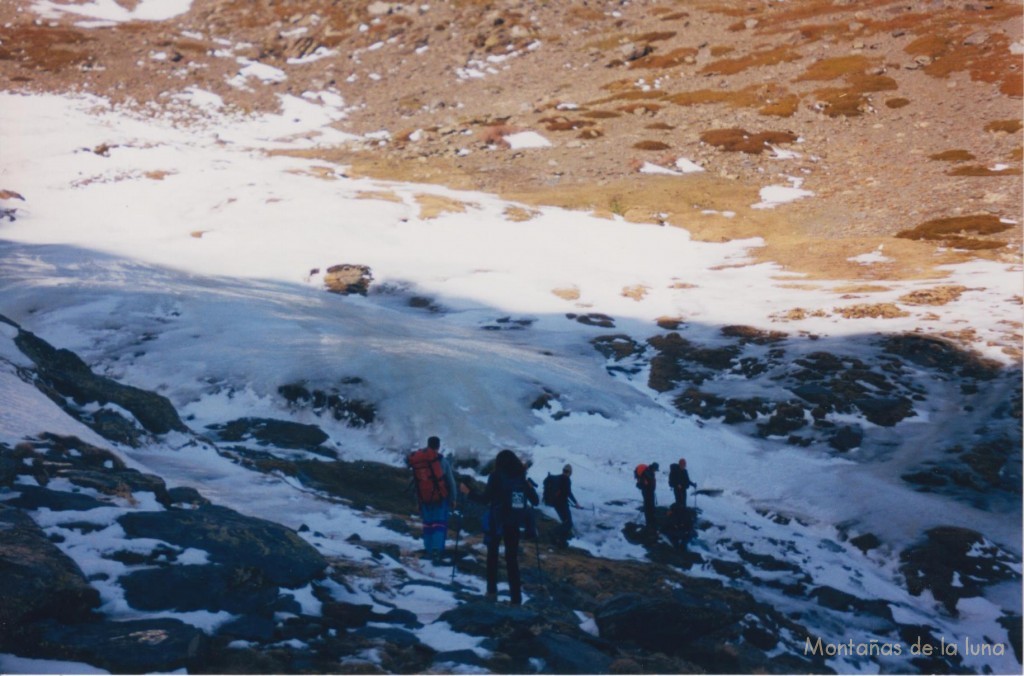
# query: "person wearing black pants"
{"type": "Point", "coordinates": [563, 499]}
{"type": "Point", "coordinates": [510, 497]}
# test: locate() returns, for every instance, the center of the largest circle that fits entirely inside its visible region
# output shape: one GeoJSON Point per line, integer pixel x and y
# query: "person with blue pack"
{"type": "Point", "coordinates": [510, 498]}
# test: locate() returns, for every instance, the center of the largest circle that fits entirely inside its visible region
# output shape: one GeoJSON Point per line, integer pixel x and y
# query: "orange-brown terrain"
{"type": "Point", "coordinates": [902, 117]}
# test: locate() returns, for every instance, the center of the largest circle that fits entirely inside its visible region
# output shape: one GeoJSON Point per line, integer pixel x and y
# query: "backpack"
{"type": "Point", "coordinates": [675, 476]}
{"type": "Point", "coordinates": [513, 509]}
{"type": "Point", "coordinates": [552, 489]}
{"type": "Point", "coordinates": [428, 476]}
{"type": "Point", "coordinates": [642, 481]}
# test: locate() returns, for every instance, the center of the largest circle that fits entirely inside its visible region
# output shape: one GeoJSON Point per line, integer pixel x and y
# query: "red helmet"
{"type": "Point", "coordinates": [682, 462]}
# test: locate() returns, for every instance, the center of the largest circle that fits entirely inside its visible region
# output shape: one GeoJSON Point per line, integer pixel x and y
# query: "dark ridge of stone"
{"type": "Point", "coordinates": [36, 497]}
{"type": "Point", "coordinates": [39, 580]}
{"type": "Point", "coordinates": [200, 587]}
{"type": "Point", "coordinates": [233, 540]}
{"type": "Point", "coordinates": [279, 433]}
{"type": "Point", "coordinates": [63, 372]}
{"type": "Point", "coordinates": [133, 647]}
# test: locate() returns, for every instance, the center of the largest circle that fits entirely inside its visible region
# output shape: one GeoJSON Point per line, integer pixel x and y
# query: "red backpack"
{"type": "Point", "coordinates": [428, 475]}
{"type": "Point", "coordinates": [642, 480]}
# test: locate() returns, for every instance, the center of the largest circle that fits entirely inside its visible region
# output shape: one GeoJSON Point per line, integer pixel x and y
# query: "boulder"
{"type": "Point", "coordinates": [480, 618]}
{"type": "Point", "coordinates": [955, 563]}
{"type": "Point", "coordinates": [36, 497]}
{"type": "Point", "coordinates": [833, 598]}
{"type": "Point", "coordinates": [64, 372]}
{"type": "Point", "coordinates": [346, 615]}
{"type": "Point", "coordinates": [885, 411]}
{"type": "Point", "coordinates": [259, 628]}
{"type": "Point", "coordinates": [847, 438]}
{"type": "Point", "coordinates": [566, 655]}
{"type": "Point", "coordinates": [346, 279]}
{"type": "Point", "coordinates": [663, 624]}
{"type": "Point", "coordinates": [267, 431]}
{"type": "Point", "coordinates": [135, 647]}
{"type": "Point", "coordinates": [233, 540]}
{"type": "Point", "coordinates": [118, 482]}
{"type": "Point", "coordinates": [39, 580]}
{"type": "Point", "coordinates": [199, 587]}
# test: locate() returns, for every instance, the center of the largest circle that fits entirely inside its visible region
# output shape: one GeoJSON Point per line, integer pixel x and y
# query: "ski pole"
{"type": "Point", "coordinates": [455, 552]}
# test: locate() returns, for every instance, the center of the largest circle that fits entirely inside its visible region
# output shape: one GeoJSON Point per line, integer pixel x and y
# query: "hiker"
{"type": "Point", "coordinates": [679, 481]}
{"type": "Point", "coordinates": [435, 493]}
{"type": "Point", "coordinates": [646, 482]}
{"type": "Point", "coordinates": [509, 495]}
{"type": "Point", "coordinates": [558, 494]}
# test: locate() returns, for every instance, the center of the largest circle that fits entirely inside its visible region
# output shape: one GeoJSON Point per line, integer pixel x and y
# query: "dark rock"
{"type": "Point", "coordinates": [35, 497]}
{"type": "Point", "coordinates": [406, 618]}
{"type": "Point", "coordinates": [388, 635]}
{"type": "Point", "coordinates": [866, 542]}
{"type": "Point", "coordinates": [114, 426]}
{"type": "Point", "coordinates": [663, 624]}
{"type": "Point", "coordinates": [840, 600]}
{"type": "Point", "coordinates": [617, 347]}
{"type": "Point", "coordinates": [346, 615]}
{"type": "Point", "coordinates": [353, 412]}
{"type": "Point", "coordinates": [942, 355]}
{"type": "Point", "coordinates": [927, 478]}
{"type": "Point", "coordinates": [346, 279]}
{"type": "Point", "coordinates": [566, 655]}
{"type": "Point", "coordinates": [846, 438]}
{"type": "Point", "coordinates": [234, 540]}
{"type": "Point", "coordinates": [10, 466]}
{"type": "Point", "coordinates": [258, 628]}
{"type": "Point", "coordinates": [199, 587]}
{"type": "Point", "coordinates": [816, 393]}
{"type": "Point", "coordinates": [444, 660]}
{"type": "Point", "coordinates": [749, 334]}
{"type": "Point", "coordinates": [121, 482]}
{"type": "Point", "coordinates": [788, 417]}
{"type": "Point", "coordinates": [596, 319]}
{"type": "Point", "coordinates": [1015, 631]}
{"type": "Point", "coordinates": [480, 618]}
{"type": "Point", "coordinates": [949, 553]}
{"type": "Point", "coordinates": [267, 431]}
{"type": "Point", "coordinates": [64, 372]}
{"type": "Point", "coordinates": [699, 403]}
{"type": "Point", "coordinates": [39, 580]}
{"type": "Point", "coordinates": [885, 412]}
{"type": "Point", "coordinates": [186, 495]}
{"type": "Point", "coordinates": [134, 647]}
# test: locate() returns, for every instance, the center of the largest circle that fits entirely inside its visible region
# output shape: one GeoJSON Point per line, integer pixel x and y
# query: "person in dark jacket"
{"type": "Point", "coordinates": [510, 496]}
{"type": "Point", "coordinates": [562, 499]}
{"type": "Point", "coordinates": [646, 481]}
{"type": "Point", "coordinates": [679, 481]}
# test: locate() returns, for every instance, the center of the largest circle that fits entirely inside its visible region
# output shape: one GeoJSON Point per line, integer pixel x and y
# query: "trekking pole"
{"type": "Point", "coordinates": [455, 551]}
{"type": "Point", "coordinates": [536, 547]}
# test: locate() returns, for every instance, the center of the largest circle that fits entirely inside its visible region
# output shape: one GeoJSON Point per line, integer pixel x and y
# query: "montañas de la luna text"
{"type": "Point", "coordinates": [874, 647]}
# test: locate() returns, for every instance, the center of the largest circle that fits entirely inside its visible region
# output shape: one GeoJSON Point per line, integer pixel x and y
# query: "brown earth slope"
{"type": "Point", "coordinates": [902, 117]}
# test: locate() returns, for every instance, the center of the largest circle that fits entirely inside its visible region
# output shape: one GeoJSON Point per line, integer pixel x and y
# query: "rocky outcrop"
{"type": "Point", "coordinates": [40, 582]}
{"type": "Point", "coordinates": [271, 432]}
{"type": "Point", "coordinates": [346, 279]}
{"type": "Point", "coordinates": [140, 646]}
{"type": "Point", "coordinates": [68, 381]}
{"type": "Point", "coordinates": [954, 563]}
{"type": "Point", "coordinates": [233, 540]}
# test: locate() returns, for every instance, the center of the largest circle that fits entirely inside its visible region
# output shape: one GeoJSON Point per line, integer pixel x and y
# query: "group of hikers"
{"type": "Point", "coordinates": [509, 497]}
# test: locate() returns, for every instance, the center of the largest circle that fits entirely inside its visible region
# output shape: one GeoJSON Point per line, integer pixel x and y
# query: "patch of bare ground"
{"type": "Point", "coordinates": [897, 113]}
